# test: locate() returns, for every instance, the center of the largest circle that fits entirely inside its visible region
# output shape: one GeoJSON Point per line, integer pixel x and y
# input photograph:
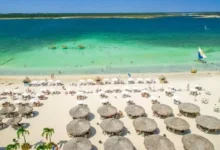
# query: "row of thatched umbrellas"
{"type": "Point", "coordinates": [80, 126]}
{"type": "Point", "coordinates": [135, 111]}
{"type": "Point", "coordinates": [23, 110]}
{"type": "Point", "coordinates": [108, 111]}
{"type": "Point", "coordinates": [8, 111]}
{"type": "Point", "coordinates": [152, 142]}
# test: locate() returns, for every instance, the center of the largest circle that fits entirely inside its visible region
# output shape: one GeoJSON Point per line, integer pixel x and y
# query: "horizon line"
{"type": "Point", "coordinates": [110, 12]}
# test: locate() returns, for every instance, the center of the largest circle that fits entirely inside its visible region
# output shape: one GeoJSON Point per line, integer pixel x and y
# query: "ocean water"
{"type": "Point", "coordinates": [167, 44]}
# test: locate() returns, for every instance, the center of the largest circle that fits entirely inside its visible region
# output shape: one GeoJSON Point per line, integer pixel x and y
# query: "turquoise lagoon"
{"type": "Point", "coordinates": [166, 44]}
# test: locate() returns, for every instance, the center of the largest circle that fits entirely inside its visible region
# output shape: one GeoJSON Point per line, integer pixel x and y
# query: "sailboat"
{"type": "Point", "coordinates": [201, 56]}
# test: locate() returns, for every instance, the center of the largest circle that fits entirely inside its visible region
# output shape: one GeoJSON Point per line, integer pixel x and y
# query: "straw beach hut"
{"type": "Point", "coordinates": [158, 142]}
{"type": "Point", "coordinates": [208, 123]}
{"type": "Point", "coordinates": [25, 110]}
{"type": "Point", "coordinates": [112, 126]}
{"type": "Point", "coordinates": [78, 128]}
{"type": "Point", "coordinates": [196, 142]}
{"type": "Point", "coordinates": [163, 79]}
{"type": "Point", "coordinates": [107, 111]}
{"type": "Point", "coordinates": [144, 125]}
{"type": "Point", "coordinates": [98, 80]}
{"type": "Point", "coordinates": [7, 110]}
{"type": "Point", "coordinates": [176, 124]}
{"type": "Point", "coordinates": [189, 109]}
{"type": "Point", "coordinates": [14, 121]}
{"type": "Point", "coordinates": [81, 111]}
{"type": "Point", "coordinates": [27, 80]}
{"type": "Point", "coordinates": [78, 144]}
{"type": "Point", "coordinates": [134, 111]}
{"type": "Point", "coordinates": [118, 143]}
{"type": "Point", "coordinates": [162, 110]}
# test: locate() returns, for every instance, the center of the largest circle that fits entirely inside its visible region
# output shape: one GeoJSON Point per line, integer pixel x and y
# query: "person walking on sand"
{"type": "Point", "coordinates": [188, 86]}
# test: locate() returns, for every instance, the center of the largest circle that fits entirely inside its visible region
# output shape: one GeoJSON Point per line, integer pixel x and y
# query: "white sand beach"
{"type": "Point", "coordinates": [55, 110]}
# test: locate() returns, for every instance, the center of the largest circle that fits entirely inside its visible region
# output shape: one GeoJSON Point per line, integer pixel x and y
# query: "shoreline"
{"type": "Point", "coordinates": [75, 77]}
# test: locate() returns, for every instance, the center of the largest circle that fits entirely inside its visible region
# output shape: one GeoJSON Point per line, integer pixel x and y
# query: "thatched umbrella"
{"type": "Point", "coordinates": [189, 108]}
{"type": "Point", "coordinates": [118, 143]}
{"type": "Point", "coordinates": [112, 125]}
{"type": "Point", "coordinates": [176, 123]}
{"type": "Point", "coordinates": [78, 127]}
{"type": "Point", "coordinates": [98, 79]}
{"type": "Point", "coordinates": [162, 77]}
{"type": "Point", "coordinates": [134, 110]}
{"type": "Point", "coordinates": [79, 111]}
{"type": "Point", "coordinates": [162, 109]}
{"type": "Point", "coordinates": [158, 142]}
{"type": "Point", "coordinates": [78, 143]}
{"type": "Point", "coordinates": [27, 80]}
{"type": "Point", "coordinates": [107, 110]}
{"type": "Point", "coordinates": [25, 109]}
{"type": "Point", "coordinates": [208, 122]}
{"type": "Point", "coordinates": [7, 109]}
{"type": "Point", "coordinates": [14, 121]}
{"type": "Point", "coordinates": [145, 124]}
{"type": "Point", "coordinates": [196, 142]}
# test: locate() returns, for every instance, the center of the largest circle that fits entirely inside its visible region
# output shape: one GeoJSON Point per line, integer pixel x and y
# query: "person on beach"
{"type": "Point", "coordinates": [188, 86]}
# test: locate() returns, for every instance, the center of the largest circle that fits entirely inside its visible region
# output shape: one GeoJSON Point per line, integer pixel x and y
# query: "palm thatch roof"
{"type": "Point", "coordinates": [208, 122]}
{"type": "Point", "coordinates": [145, 124]}
{"type": "Point", "coordinates": [189, 108]}
{"type": "Point", "coordinates": [25, 109]}
{"type": "Point", "coordinates": [98, 79]}
{"type": "Point", "coordinates": [112, 125]}
{"type": "Point", "coordinates": [78, 127]}
{"type": "Point", "coordinates": [176, 123]}
{"type": "Point", "coordinates": [118, 143]}
{"type": "Point", "coordinates": [196, 142]}
{"type": "Point", "coordinates": [158, 142]}
{"type": "Point", "coordinates": [107, 110]}
{"type": "Point", "coordinates": [7, 109]}
{"type": "Point", "coordinates": [134, 110]}
{"type": "Point", "coordinates": [79, 111]}
{"type": "Point", "coordinates": [162, 109]}
{"type": "Point", "coordinates": [162, 77]}
{"type": "Point", "coordinates": [78, 143]}
{"type": "Point", "coordinates": [14, 121]}
{"type": "Point", "coordinates": [27, 80]}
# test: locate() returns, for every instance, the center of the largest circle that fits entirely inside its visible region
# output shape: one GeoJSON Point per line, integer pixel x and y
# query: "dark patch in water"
{"type": "Point", "coordinates": [7, 61]}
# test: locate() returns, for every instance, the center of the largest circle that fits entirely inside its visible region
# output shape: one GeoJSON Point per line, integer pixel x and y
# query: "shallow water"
{"type": "Point", "coordinates": [111, 45]}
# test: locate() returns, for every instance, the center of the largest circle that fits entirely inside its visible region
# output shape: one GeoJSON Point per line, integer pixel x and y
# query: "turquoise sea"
{"type": "Point", "coordinates": [166, 44]}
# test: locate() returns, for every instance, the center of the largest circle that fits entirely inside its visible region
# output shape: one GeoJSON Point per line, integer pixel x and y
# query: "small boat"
{"type": "Point", "coordinates": [201, 56]}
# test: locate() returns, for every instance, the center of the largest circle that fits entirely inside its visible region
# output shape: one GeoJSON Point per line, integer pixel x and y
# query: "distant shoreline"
{"type": "Point", "coordinates": [110, 17]}
{"type": "Point", "coordinates": [89, 17]}
{"type": "Point", "coordinates": [105, 15]}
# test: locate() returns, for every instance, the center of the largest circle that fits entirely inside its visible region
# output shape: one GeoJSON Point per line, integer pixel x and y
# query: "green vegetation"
{"type": "Point", "coordinates": [21, 132]}
{"type": "Point", "coordinates": [13, 146]}
{"type": "Point", "coordinates": [43, 146]}
{"type": "Point", "coordinates": [48, 132]}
